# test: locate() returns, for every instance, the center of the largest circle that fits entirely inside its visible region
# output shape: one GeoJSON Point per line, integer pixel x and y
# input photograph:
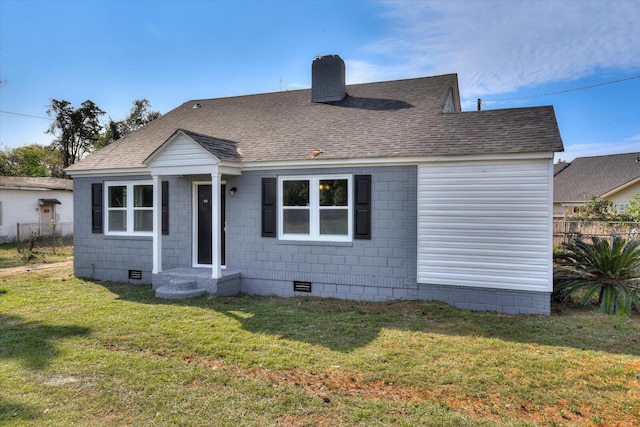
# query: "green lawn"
{"type": "Point", "coordinates": [10, 257]}
{"type": "Point", "coordinates": [78, 352]}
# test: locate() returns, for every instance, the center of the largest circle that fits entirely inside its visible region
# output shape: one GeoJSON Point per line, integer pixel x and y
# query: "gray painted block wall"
{"type": "Point", "coordinates": [377, 269]}
{"type": "Point", "coordinates": [383, 268]}
{"type": "Point", "coordinates": [101, 257]}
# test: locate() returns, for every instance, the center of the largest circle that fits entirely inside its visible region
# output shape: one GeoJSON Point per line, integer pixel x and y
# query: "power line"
{"type": "Point", "coordinates": [561, 91]}
{"type": "Point", "coordinates": [26, 115]}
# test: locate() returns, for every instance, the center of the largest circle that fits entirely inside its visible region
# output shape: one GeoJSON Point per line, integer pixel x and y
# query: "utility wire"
{"type": "Point", "coordinates": [26, 115]}
{"type": "Point", "coordinates": [560, 91]}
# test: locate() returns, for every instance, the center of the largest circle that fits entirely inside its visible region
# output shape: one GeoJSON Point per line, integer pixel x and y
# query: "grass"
{"type": "Point", "coordinates": [80, 352]}
{"type": "Point", "coordinates": [10, 257]}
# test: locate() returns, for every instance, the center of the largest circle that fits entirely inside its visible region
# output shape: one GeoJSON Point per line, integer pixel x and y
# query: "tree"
{"type": "Point", "coordinates": [76, 130]}
{"type": "Point", "coordinates": [31, 160]}
{"type": "Point", "coordinates": [597, 209]}
{"type": "Point", "coordinates": [139, 115]}
{"type": "Point", "coordinates": [608, 272]}
{"type": "Point", "coordinates": [633, 210]}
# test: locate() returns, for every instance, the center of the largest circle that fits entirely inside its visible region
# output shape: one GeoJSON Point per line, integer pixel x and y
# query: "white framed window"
{"type": "Point", "coordinates": [315, 208]}
{"type": "Point", "coordinates": [129, 208]}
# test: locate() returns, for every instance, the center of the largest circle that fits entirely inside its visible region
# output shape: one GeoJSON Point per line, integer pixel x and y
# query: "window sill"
{"type": "Point", "coordinates": [314, 243]}
{"type": "Point", "coordinates": [127, 237]}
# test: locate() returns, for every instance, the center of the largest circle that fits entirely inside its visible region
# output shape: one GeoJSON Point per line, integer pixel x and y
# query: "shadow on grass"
{"type": "Point", "coordinates": [347, 325]}
{"type": "Point", "coordinates": [12, 412]}
{"type": "Point", "coordinates": [32, 343]}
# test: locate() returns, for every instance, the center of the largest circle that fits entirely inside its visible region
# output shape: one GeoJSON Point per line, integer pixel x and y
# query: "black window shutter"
{"type": "Point", "coordinates": [362, 208]}
{"type": "Point", "coordinates": [165, 207]}
{"type": "Point", "coordinates": [269, 207]}
{"type": "Point", "coordinates": [96, 208]}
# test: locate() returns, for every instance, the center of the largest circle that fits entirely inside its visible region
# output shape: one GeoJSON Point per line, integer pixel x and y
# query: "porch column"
{"type": "Point", "coordinates": [216, 270]}
{"type": "Point", "coordinates": [157, 224]}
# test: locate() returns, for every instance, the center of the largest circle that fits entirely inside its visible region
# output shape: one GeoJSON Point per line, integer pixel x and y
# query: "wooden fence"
{"type": "Point", "coordinates": [566, 229]}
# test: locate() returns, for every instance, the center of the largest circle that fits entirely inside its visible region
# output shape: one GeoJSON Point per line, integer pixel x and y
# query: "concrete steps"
{"type": "Point", "coordinates": [180, 289]}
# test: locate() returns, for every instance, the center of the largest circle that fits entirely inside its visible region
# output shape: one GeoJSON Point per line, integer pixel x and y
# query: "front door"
{"type": "Point", "coordinates": [203, 217]}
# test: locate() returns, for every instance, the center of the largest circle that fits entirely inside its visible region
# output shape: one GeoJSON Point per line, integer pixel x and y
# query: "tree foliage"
{"type": "Point", "coordinates": [31, 160]}
{"type": "Point", "coordinates": [139, 115]}
{"type": "Point", "coordinates": [607, 271]}
{"type": "Point", "coordinates": [75, 130]}
{"type": "Point", "coordinates": [633, 210]}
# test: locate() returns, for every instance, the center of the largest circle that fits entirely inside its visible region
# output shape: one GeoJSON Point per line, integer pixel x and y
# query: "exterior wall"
{"type": "Point", "coordinates": [102, 257]}
{"type": "Point", "coordinates": [464, 253]}
{"type": "Point", "coordinates": [486, 225]}
{"type": "Point", "coordinates": [22, 206]}
{"type": "Point", "coordinates": [621, 198]}
{"type": "Point", "coordinates": [378, 269]}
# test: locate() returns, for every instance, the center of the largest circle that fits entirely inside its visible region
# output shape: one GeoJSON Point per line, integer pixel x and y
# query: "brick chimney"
{"type": "Point", "coordinates": [327, 79]}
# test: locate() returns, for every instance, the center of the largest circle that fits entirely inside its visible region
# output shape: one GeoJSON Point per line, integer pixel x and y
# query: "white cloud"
{"type": "Point", "coordinates": [497, 47]}
{"type": "Point", "coordinates": [629, 145]}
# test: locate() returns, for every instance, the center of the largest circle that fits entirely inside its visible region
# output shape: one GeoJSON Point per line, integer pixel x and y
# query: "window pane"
{"type": "Point", "coordinates": [333, 192]}
{"type": "Point", "coordinates": [296, 221]}
{"type": "Point", "coordinates": [117, 220]}
{"type": "Point", "coordinates": [334, 221]}
{"type": "Point", "coordinates": [143, 196]}
{"type": "Point", "coordinates": [118, 197]}
{"type": "Point", "coordinates": [143, 220]}
{"type": "Point", "coordinates": [295, 193]}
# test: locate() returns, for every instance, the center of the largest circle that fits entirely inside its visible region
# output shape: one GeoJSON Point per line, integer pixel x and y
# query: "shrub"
{"type": "Point", "coordinates": [607, 271]}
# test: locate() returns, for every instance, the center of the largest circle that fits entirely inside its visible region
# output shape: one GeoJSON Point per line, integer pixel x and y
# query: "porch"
{"type": "Point", "coordinates": [193, 282]}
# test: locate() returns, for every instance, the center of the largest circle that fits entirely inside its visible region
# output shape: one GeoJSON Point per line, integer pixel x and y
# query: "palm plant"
{"type": "Point", "coordinates": [608, 271]}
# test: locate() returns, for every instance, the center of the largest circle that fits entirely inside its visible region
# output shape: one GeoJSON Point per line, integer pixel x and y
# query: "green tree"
{"type": "Point", "coordinates": [597, 209]}
{"type": "Point", "coordinates": [75, 130]}
{"type": "Point", "coordinates": [607, 271]}
{"type": "Point", "coordinates": [31, 160]}
{"type": "Point", "coordinates": [633, 210]}
{"type": "Point", "coordinates": [139, 115]}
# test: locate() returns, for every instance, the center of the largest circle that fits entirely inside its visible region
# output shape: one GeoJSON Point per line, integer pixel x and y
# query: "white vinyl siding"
{"type": "Point", "coordinates": [183, 152]}
{"type": "Point", "coordinates": [485, 224]}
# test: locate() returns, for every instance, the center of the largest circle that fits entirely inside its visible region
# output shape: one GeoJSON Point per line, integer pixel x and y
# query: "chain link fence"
{"type": "Point", "coordinates": [32, 235]}
{"type": "Point", "coordinates": [565, 230]}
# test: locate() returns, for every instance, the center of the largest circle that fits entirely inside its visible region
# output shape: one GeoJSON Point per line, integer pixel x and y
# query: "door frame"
{"type": "Point", "coordinates": [194, 222]}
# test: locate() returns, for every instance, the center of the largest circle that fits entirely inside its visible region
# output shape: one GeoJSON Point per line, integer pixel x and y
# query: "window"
{"type": "Point", "coordinates": [129, 208]}
{"type": "Point", "coordinates": [315, 208]}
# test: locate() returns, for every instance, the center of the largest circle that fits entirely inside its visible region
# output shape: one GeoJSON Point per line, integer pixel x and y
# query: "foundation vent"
{"type": "Point", "coordinates": [135, 274]}
{"type": "Point", "coordinates": [301, 286]}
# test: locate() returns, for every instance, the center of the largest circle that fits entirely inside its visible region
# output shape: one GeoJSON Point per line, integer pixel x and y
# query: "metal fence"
{"type": "Point", "coordinates": [31, 235]}
{"type": "Point", "coordinates": [566, 229]}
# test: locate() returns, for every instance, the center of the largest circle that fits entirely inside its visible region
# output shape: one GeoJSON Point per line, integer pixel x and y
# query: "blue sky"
{"type": "Point", "coordinates": [113, 52]}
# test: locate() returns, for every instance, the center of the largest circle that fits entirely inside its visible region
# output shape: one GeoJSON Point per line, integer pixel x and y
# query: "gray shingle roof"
{"type": "Point", "coordinates": [376, 120]}
{"type": "Point", "coordinates": [36, 183]}
{"type": "Point", "coordinates": [595, 176]}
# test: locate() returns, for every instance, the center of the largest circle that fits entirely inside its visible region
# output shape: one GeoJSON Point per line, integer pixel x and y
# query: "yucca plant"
{"type": "Point", "coordinates": [607, 271]}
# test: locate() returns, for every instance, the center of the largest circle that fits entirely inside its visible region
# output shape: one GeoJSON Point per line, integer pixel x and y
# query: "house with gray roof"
{"type": "Point", "coordinates": [614, 177]}
{"type": "Point", "coordinates": [36, 203]}
{"type": "Point", "coordinates": [372, 191]}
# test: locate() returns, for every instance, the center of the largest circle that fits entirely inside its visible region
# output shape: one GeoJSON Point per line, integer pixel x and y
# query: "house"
{"type": "Point", "coordinates": [614, 177]}
{"type": "Point", "coordinates": [372, 191]}
{"type": "Point", "coordinates": [34, 201]}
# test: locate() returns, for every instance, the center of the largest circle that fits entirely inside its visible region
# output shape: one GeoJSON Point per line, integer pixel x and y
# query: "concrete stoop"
{"type": "Point", "coordinates": [183, 283]}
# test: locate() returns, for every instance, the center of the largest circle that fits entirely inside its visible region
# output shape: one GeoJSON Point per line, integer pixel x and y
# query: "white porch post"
{"type": "Point", "coordinates": [157, 224]}
{"type": "Point", "coordinates": [216, 270]}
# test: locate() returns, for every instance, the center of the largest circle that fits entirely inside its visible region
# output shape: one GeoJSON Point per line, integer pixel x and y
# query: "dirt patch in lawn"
{"type": "Point", "coordinates": [34, 267]}
{"type": "Point", "coordinates": [333, 383]}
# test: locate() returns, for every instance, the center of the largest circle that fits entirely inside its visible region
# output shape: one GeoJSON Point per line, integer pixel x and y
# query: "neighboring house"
{"type": "Point", "coordinates": [373, 191]}
{"type": "Point", "coordinates": [37, 201]}
{"type": "Point", "coordinates": [614, 177]}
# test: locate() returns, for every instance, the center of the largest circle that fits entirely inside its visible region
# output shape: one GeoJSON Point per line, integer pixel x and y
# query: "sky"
{"type": "Point", "coordinates": [582, 57]}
